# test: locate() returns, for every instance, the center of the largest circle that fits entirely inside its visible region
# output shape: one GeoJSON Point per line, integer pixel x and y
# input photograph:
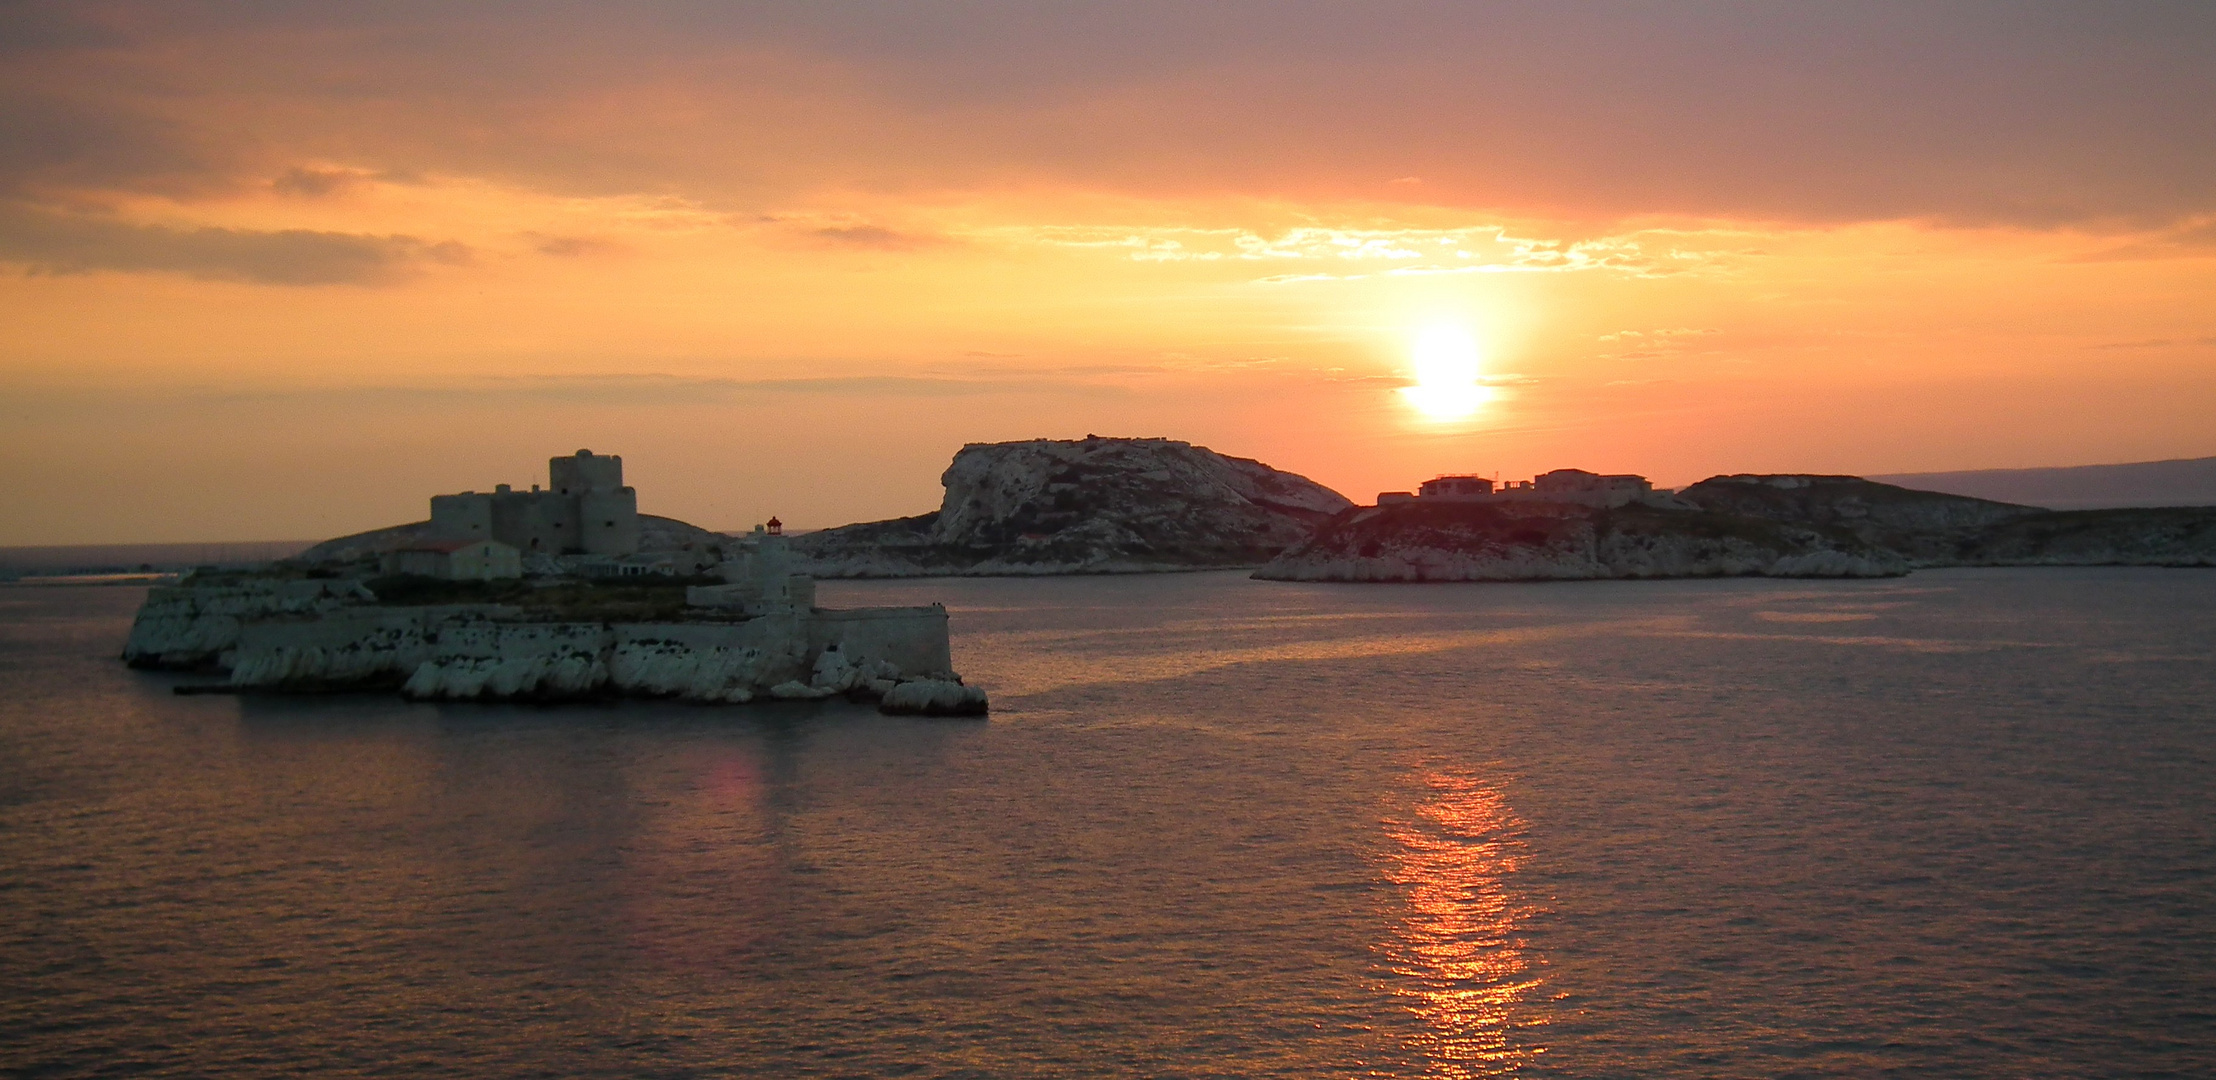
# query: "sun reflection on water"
{"type": "Point", "coordinates": [1461, 961]}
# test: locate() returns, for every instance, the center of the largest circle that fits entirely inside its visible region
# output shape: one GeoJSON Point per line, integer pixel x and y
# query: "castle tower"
{"type": "Point", "coordinates": [585, 471]}
{"type": "Point", "coordinates": [607, 513]}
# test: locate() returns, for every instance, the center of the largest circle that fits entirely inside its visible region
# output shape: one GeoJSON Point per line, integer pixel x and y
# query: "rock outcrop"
{"type": "Point", "coordinates": [1533, 540]}
{"type": "Point", "coordinates": [1929, 528]}
{"type": "Point", "coordinates": [2154, 536]}
{"type": "Point", "coordinates": [1767, 525]}
{"type": "Point", "coordinates": [496, 652]}
{"type": "Point", "coordinates": [1089, 505]}
{"type": "Point", "coordinates": [1924, 527]}
{"type": "Point", "coordinates": [196, 627]}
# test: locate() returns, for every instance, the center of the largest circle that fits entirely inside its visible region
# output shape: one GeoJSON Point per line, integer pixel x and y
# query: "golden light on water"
{"type": "Point", "coordinates": [1444, 359]}
{"type": "Point", "coordinates": [1457, 950]}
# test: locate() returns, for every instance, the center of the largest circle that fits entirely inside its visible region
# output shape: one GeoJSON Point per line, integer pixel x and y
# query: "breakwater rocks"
{"type": "Point", "coordinates": [280, 636]}
{"type": "Point", "coordinates": [1084, 506]}
{"type": "Point", "coordinates": [1536, 541]}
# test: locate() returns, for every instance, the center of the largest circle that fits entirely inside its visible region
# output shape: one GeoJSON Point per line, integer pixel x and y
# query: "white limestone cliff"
{"type": "Point", "coordinates": [1089, 505]}
{"type": "Point", "coordinates": [195, 625]}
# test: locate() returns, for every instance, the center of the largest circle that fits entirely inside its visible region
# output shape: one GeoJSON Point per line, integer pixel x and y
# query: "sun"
{"type": "Point", "coordinates": [1445, 361]}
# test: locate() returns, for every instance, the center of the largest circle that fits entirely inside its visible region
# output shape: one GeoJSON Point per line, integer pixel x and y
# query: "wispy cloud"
{"type": "Point", "coordinates": [2156, 343]}
{"type": "Point", "coordinates": [874, 238]}
{"type": "Point", "coordinates": [1393, 251]}
{"type": "Point", "coordinates": [2191, 239]}
{"type": "Point", "coordinates": [651, 389]}
{"type": "Point", "coordinates": [54, 243]}
{"type": "Point", "coordinates": [570, 247]}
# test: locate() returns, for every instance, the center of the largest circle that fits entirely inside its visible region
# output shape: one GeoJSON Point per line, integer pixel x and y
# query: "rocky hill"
{"type": "Point", "coordinates": [1786, 525]}
{"type": "Point", "coordinates": [1522, 541]}
{"type": "Point", "coordinates": [655, 534]}
{"type": "Point", "coordinates": [1090, 505]}
{"type": "Point", "coordinates": [2172, 483]}
{"type": "Point", "coordinates": [1926, 527]}
{"type": "Point", "coordinates": [2153, 536]}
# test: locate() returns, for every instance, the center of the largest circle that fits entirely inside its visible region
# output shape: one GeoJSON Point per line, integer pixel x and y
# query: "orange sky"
{"type": "Point", "coordinates": [286, 270]}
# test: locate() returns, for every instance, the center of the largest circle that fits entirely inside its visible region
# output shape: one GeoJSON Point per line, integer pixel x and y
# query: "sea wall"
{"type": "Point", "coordinates": [359, 647]}
{"type": "Point", "coordinates": [486, 653]}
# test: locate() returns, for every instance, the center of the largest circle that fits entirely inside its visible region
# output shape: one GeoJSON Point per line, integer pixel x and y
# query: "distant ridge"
{"type": "Point", "coordinates": [109, 558]}
{"type": "Point", "coordinates": [2177, 482]}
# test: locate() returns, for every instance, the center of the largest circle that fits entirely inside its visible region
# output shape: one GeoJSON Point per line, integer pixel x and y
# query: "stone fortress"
{"type": "Point", "coordinates": [583, 510]}
{"type": "Point", "coordinates": [476, 623]}
{"type": "Point", "coordinates": [1560, 485]}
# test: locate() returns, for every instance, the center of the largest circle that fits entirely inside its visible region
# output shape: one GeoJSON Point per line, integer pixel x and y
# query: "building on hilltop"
{"type": "Point", "coordinates": [1579, 482]}
{"type": "Point", "coordinates": [1455, 488]}
{"type": "Point", "coordinates": [1560, 485]}
{"type": "Point", "coordinates": [585, 510]}
{"type": "Point", "coordinates": [455, 560]}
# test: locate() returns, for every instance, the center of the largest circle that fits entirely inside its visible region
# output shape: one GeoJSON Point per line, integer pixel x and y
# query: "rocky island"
{"type": "Point", "coordinates": [1571, 524]}
{"type": "Point", "coordinates": [1085, 506]}
{"type": "Point", "coordinates": [555, 594]}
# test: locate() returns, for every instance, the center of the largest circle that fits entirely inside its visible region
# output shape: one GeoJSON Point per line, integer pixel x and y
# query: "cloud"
{"type": "Point", "coordinates": [570, 247]}
{"type": "Point", "coordinates": [315, 183]}
{"type": "Point", "coordinates": [2194, 239]}
{"type": "Point", "coordinates": [608, 390]}
{"type": "Point", "coordinates": [49, 143]}
{"type": "Point", "coordinates": [67, 244]}
{"type": "Point", "coordinates": [2030, 113]}
{"type": "Point", "coordinates": [873, 237]}
{"type": "Point", "coordinates": [2155, 343]}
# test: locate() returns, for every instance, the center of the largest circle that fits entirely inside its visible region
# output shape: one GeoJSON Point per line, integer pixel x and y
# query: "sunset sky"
{"type": "Point", "coordinates": [284, 270]}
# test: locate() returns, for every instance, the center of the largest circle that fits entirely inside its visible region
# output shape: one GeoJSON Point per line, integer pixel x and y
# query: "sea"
{"type": "Point", "coordinates": [1958, 824]}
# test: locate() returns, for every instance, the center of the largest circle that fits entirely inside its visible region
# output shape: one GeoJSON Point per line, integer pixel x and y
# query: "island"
{"type": "Point", "coordinates": [1573, 524]}
{"type": "Point", "coordinates": [559, 593]}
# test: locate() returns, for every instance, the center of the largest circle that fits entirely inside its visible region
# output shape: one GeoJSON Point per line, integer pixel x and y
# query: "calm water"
{"type": "Point", "coordinates": [1961, 824]}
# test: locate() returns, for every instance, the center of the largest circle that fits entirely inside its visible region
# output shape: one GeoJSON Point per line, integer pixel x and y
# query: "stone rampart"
{"type": "Point", "coordinates": [491, 652]}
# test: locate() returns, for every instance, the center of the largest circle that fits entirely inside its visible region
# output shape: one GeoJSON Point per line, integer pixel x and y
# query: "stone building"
{"type": "Point", "coordinates": [1605, 487]}
{"type": "Point", "coordinates": [1560, 485]}
{"type": "Point", "coordinates": [455, 560]}
{"type": "Point", "coordinates": [1455, 488]}
{"type": "Point", "coordinates": [584, 510]}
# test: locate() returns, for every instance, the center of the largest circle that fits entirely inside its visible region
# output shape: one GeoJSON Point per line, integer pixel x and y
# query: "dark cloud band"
{"type": "Point", "coordinates": [64, 244]}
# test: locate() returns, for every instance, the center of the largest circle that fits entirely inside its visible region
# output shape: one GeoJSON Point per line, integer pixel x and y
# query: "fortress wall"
{"type": "Point", "coordinates": [537, 521]}
{"type": "Point", "coordinates": [295, 637]}
{"type": "Point", "coordinates": [609, 522]}
{"type": "Point", "coordinates": [467, 516]}
{"type": "Point", "coordinates": [503, 660]}
{"type": "Point", "coordinates": [354, 646]}
{"type": "Point", "coordinates": [708, 661]}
